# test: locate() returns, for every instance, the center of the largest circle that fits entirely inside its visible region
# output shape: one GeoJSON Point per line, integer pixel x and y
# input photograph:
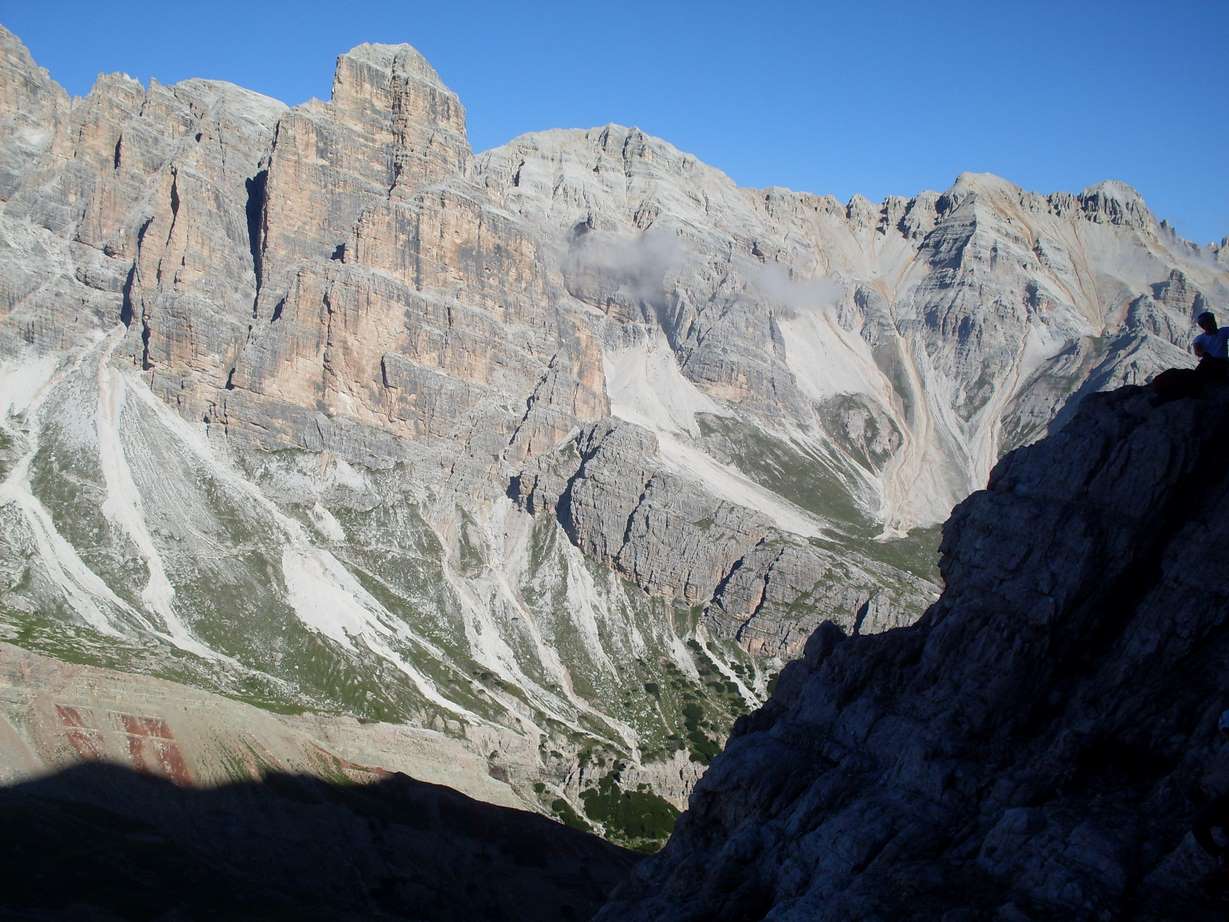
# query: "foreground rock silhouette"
{"type": "Point", "coordinates": [1036, 746]}
{"type": "Point", "coordinates": [101, 842]}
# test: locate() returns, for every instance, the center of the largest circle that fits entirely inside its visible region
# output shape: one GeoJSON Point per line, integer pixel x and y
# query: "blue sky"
{"type": "Point", "coordinates": [872, 97]}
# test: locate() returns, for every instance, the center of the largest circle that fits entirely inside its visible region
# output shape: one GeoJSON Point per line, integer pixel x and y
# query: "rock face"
{"type": "Point", "coordinates": [1036, 746]}
{"type": "Point", "coordinates": [621, 504]}
{"type": "Point", "coordinates": [945, 329]}
{"type": "Point", "coordinates": [569, 444]}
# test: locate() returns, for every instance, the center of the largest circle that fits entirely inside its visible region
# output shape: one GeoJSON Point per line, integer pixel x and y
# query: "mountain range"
{"type": "Point", "coordinates": [330, 445]}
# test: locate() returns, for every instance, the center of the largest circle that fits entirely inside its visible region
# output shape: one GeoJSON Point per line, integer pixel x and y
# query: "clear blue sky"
{"type": "Point", "coordinates": [861, 96]}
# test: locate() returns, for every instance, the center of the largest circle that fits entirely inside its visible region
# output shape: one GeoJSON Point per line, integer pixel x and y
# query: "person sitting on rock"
{"type": "Point", "coordinates": [1212, 346]}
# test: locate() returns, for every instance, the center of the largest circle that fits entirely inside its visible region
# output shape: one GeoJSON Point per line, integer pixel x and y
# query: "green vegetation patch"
{"type": "Point", "coordinates": [562, 811]}
{"type": "Point", "coordinates": [638, 819]}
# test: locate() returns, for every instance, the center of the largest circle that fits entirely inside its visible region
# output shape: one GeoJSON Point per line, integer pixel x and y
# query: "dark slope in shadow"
{"type": "Point", "coordinates": [98, 841]}
{"type": "Point", "coordinates": [1038, 746]}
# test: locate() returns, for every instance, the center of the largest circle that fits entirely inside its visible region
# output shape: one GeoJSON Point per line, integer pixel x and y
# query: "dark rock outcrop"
{"type": "Point", "coordinates": [102, 842]}
{"type": "Point", "coordinates": [1035, 747]}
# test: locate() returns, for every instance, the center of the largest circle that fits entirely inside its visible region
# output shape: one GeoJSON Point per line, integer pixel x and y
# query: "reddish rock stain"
{"type": "Point", "coordinates": [135, 725]}
{"type": "Point", "coordinates": [83, 739]}
{"type": "Point", "coordinates": [152, 748]}
{"type": "Point", "coordinates": [172, 761]}
{"type": "Point", "coordinates": [354, 770]}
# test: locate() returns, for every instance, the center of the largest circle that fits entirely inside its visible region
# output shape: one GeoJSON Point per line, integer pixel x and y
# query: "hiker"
{"type": "Point", "coordinates": [1211, 830]}
{"type": "Point", "coordinates": [1212, 345]}
{"type": "Point", "coordinates": [1212, 348]}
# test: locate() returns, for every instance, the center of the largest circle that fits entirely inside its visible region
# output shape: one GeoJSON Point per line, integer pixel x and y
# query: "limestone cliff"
{"type": "Point", "coordinates": [567, 445]}
{"type": "Point", "coordinates": [1035, 747]}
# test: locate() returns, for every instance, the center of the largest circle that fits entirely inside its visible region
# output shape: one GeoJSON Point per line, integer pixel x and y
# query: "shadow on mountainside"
{"type": "Point", "coordinates": [100, 842]}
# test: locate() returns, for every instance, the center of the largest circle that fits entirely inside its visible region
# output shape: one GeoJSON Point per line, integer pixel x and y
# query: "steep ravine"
{"type": "Point", "coordinates": [1035, 747]}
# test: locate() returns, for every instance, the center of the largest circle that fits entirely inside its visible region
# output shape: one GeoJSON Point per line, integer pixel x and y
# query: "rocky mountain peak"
{"type": "Point", "coordinates": [236, 101]}
{"type": "Point", "coordinates": [32, 105]}
{"type": "Point", "coordinates": [396, 82]}
{"type": "Point", "coordinates": [16, 55]}
{"type": "Point", "coordinates": [1115, 202]}
{"type": "Point", "coordinates": [401, 58]}
{"type": "Point", "coordinates": [1116, 190]}
{"type": "Point", "coordinates": [969, 183]}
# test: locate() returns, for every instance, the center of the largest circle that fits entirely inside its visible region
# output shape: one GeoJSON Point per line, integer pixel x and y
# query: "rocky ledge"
{"type": "Point", "coordinates": [1035, 747]}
